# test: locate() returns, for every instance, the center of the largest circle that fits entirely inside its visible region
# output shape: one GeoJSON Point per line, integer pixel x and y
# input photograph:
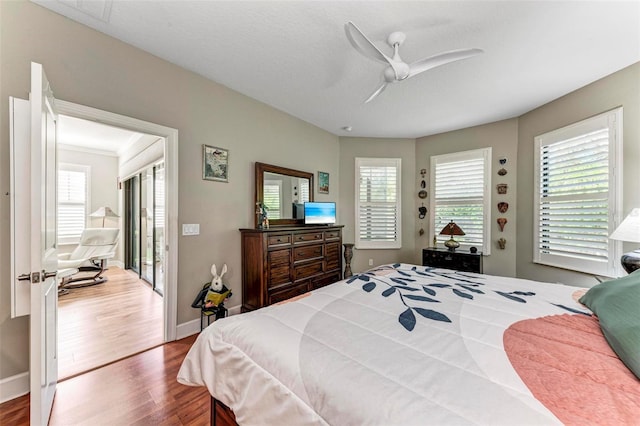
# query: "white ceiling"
{"type": "Point", "coordinates": [294, 55]}
{"type": "Point", "coordinates": [95, 137]}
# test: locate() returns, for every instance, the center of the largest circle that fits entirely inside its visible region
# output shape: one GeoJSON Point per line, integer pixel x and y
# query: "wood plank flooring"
{"type": "Point", "coordinates": [107, 322]}
{"type": "Point", "coordinates": [139, 390]}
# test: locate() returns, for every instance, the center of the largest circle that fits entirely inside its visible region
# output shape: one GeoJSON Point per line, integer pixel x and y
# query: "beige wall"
{"type": "Point", "coordinates": [619, 89]}
{"type": "Point", "coordinates": [502, 137]}
{"type": "Point", "coordinates": [350, 148]}
{"type": "Point", "coordinates": [90, 68]}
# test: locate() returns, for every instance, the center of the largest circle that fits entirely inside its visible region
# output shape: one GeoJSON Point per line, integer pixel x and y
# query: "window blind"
{"type": "Point", "coordinates": [272, 198]}
{"type": "Point", "coordinates": [576, 196]}
{"type": "Point", "coordinates": [460, 193]}
{"type": "Point", "coordinates": [72, 202]}
{"type": "Point", "coordinates": [378, 203]}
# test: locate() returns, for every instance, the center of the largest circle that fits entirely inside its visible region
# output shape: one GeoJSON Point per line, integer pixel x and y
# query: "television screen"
{"type": "Point", "coordinates": [319, 213]}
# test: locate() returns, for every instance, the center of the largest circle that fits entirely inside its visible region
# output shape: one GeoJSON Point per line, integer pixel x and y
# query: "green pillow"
{"type": "Point", "coordinates": [617, 305]}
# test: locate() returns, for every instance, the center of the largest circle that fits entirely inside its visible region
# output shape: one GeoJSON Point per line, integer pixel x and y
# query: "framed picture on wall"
{"type": "Point", "coordinates": [215, 163]}
{"type": "Point", "coordinates": [323, 183]}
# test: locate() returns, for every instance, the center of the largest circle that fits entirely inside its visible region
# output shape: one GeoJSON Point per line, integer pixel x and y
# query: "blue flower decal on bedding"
{"type": "Point", "coordinates": [417, 297]}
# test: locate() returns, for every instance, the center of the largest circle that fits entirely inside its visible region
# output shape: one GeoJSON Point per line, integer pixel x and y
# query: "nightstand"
{"type": "Point", "coordinates": [459, 260]}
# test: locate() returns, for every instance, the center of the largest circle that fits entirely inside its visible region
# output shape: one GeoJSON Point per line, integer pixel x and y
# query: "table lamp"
{"type": "Point", "coordinates": [629, 230]}
{"type": "Point", "coordinates": [451, 229]}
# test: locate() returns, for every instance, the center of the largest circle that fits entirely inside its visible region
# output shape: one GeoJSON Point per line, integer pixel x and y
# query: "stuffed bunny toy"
{"type": "Point", "coordinates": [216, 282]}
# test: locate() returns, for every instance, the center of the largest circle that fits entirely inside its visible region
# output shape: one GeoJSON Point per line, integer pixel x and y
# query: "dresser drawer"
{"type": "Point", "coordinates": [307, 252]}
{"type": "Point", "coordinates": [331, 235]}
{"type": "Point", "coordinates": [278, 276]}
{"type": "Point", "coordinates": [325, 279]}
{"type": "Point", "coordinates": [307, 270]}
{"type": "Point", "coordinates": [279, 257]}
{"type": "Point", "coordinates": [278, 240]}
{"type": "Point", "coordinates": [307, 237]}
{"type": "Point", "coordinates": [297, 290]}
{"type": "Point", "coordinates": [332, 256]}
{"type": "Point", "coordinates": [280, 270]}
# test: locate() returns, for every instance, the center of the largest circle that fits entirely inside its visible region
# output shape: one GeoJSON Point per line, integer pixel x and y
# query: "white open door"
{"type": "Point", "coordinates": [43, 358]}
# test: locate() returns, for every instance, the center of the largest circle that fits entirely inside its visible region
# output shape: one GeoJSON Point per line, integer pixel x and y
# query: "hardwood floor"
{"type": "Point", "coordinates": [107, 322]}
{"type": "Point", "coordinates": [139, 390]}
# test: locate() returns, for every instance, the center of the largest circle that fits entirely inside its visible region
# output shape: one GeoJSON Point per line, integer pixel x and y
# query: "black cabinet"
{"type": "Point", "coordinates": [459, 260]}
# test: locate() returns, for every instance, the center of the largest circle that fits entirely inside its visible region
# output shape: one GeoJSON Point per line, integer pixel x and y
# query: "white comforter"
{"type": "Point", "coordinates": [401, 344]}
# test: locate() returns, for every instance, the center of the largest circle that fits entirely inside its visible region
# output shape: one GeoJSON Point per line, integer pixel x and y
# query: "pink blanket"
{"type": "Point", "coordinates": [597, 390]}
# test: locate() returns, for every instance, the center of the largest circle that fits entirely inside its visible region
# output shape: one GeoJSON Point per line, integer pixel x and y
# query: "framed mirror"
{"type": "Point", "coordinates": [284, 192]}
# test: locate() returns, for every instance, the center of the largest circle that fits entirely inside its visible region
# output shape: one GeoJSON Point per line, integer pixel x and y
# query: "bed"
{"type": "Point", "coordinates": [406, 344]}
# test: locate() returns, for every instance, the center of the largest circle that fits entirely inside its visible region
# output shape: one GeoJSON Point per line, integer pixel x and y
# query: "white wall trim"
{"type": "Point", "coordinates": [14, 386]}
{"type": "Point", "coordinates": [170, 136]}
{"type": "Point", "coordinates": [187, 329]}
{"type": "Point", "coordinates": [192, 327]}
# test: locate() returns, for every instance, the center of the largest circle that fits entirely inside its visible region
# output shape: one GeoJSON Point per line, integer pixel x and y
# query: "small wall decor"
{"type": "Point", "coordinates": [503, 207]}
{"type": "Point", "coordinates": [502, 172]}
{"type": "Point", "coordinates": [323, 182]}
{"type": "Point", "coordinates": [503, 161]}
{"type": "Point", "coordinates": [215, 163]}
{"type": "Point", "coordinates": [422, 193]}
{"type": "Point", "coordinates": [502, 188]}
{"type": "Point", "coordinates": [502, 243]}
{"type": "Point", "coordinates": [422, 212]}
{"type": "Point", "coordinates": [502, 221]}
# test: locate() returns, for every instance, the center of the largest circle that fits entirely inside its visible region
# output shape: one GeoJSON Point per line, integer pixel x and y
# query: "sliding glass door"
{"type": "Point", "coordinates": [144, 225]}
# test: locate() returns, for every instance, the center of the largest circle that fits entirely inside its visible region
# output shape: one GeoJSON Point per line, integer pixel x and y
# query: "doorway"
{"type": "Point", "coordinates": [164, 255]}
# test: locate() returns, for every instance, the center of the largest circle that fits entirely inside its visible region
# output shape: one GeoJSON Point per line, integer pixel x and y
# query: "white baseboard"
{"type": "Point", "coordinates": [14, 386]}
{"type": "Point", "coordinates": [190, 328]}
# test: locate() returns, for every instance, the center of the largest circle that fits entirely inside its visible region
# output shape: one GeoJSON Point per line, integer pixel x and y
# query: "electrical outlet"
{"type": "Point", "coordinates": [370, 262]}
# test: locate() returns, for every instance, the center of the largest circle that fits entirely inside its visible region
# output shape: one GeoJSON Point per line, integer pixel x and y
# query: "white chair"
{"type": "Point", "coordinates": [89, 258]}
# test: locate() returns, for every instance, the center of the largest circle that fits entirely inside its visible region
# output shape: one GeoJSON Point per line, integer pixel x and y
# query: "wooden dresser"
{"type": "Point", "coordinates": [283, 262]}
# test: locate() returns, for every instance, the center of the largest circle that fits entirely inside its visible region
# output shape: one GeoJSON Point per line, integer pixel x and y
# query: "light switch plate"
{"type": "Point", "coordinates": [190, 229]}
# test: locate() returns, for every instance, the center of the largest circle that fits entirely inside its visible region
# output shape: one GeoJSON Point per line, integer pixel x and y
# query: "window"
{"type": "Point", "coordinates": [73, 197]}
{"type": "Point", "coordinates": [460, 191]}
{"type": "Point", "coordinates": [273, 198]}
{"type": "Point", "coordinates": [577, 184]}
{"type": "Point", "coordinates": [378, 203]}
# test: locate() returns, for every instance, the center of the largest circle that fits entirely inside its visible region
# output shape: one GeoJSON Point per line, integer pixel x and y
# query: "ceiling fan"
{"type": "Point", "coordinates": [398, 70]}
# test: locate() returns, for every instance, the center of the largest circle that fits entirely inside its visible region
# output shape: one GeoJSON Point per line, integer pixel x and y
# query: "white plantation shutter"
{"type": "Point", "coordinates": [460, 192]}
{"type": "Point", "coordinates": [378, 203]}
{"type": "Point", "coordinates": [303, 184]}
{"type": "Point", "coordinates": [72, 202]}
{"type": "Point", "coordinates": [273, 198]}
{"type": "Point", "coordinates": [577, 195]}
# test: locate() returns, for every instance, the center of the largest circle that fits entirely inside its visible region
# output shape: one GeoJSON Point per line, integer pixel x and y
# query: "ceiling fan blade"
{"type": "Point", "coordinates": [365, 46]}
{"type": "Point", "coordinates": [377, 92]}
{"type": "Point", "coordinates": [441, 59]}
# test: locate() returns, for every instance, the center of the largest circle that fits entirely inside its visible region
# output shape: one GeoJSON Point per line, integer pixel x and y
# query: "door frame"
{"type": "Point", "coordinates": [170, 135]}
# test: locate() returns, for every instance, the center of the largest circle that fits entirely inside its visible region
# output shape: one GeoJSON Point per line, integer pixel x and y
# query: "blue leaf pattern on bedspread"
{"type": "Point", "coordinates": [400, 285]}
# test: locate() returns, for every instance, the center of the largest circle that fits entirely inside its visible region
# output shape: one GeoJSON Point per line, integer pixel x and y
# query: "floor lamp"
{"type": "Point", "coordinates": [629, 230]}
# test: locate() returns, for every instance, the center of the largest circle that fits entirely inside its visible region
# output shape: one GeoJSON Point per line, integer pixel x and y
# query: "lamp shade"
{"type": "Point", "coordinates": [629, 229]}
{"type": "Point", "coordinates": [103, 212]}
{"type": "Point", "coordinates": [451, 229]}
